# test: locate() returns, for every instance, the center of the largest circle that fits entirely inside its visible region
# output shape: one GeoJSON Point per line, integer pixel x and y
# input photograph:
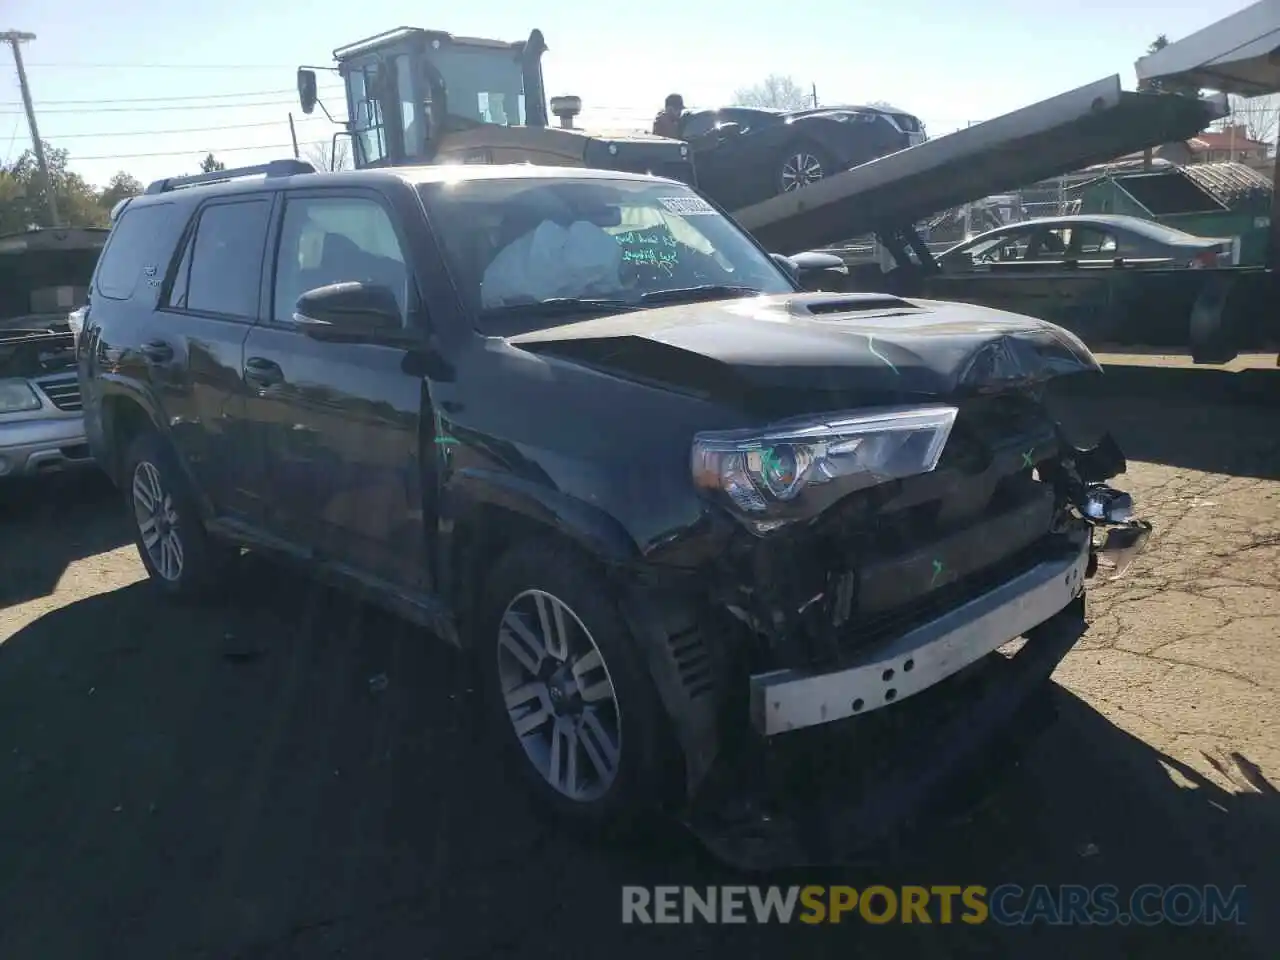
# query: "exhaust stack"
{"type": "Point", "coordinates": [566, 108]}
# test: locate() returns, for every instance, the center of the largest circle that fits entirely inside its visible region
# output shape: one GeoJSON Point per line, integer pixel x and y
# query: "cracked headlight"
{"type": "Point", "coordinates": [16, 396]}
{"type": "Point", "coordinates": [796, 469]}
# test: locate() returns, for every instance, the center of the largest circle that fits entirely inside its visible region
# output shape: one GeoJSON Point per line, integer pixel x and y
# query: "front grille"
{"type": "Point", "coordinates": [64, 392]}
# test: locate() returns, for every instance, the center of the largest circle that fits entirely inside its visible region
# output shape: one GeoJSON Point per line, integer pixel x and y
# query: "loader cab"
{"type": "Point", "coordinates": [409, 89]}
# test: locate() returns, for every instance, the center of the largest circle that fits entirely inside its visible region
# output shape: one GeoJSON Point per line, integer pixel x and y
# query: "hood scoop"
{"type": "Point", "coordinates": [864, 303]}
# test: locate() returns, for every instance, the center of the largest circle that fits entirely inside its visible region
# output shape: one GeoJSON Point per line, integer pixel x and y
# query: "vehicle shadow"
{"type": "Point", "coordinates": [298, 775]}
{"type": "Point", "coordinates": [1176, 417]}
{"type": "Point", "coordinates": [83, 507]}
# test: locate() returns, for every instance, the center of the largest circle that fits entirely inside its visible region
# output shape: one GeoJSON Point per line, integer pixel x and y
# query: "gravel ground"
{"type": "Point", "coordinates": [162, 797]}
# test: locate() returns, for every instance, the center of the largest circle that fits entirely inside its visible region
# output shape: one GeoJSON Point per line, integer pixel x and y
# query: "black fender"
{"type": "Point", "coordinates": [109, 390]}
{"type": "Point", "coordinates": [653, 609]}
{"type": "Point", "coordinates": [112, 390]}
{"type": "Point", "coordinates": [590, 527]}
{"type": "Point", "coordinates": [466, 504]}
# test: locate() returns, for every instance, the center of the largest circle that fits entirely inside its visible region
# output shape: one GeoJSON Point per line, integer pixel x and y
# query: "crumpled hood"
{"type": "Point", "coordinates": [868, 348]}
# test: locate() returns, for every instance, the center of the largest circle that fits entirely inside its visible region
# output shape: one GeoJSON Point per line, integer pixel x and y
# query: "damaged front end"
{"type": "Point", "coordinates": [41, 419]}
{"type": "Point", "coordinates": [858, 626]}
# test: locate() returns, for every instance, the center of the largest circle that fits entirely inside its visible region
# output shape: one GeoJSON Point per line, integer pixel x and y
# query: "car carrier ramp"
{"type": "Point", "coordinates": [1092, 124]}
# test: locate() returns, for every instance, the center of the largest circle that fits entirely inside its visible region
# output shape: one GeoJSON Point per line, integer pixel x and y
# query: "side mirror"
{"type": "Point", "coordinates": [821, 271]}
{"type": "Point", "coordinates": [349, 311]}
{"type": "Point", "coordinates": [729, 130]}
{"type": "Point", "coordinates": [788, 266]}
{"type": "Point", "coordinates": [307, 91]}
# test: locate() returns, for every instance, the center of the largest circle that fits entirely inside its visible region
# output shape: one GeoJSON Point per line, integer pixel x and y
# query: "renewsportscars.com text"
{"type": "Point", "coordinates": [1006, 905]}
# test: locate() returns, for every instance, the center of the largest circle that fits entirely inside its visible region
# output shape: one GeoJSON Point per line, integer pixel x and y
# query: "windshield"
{"type": "Point", "coordinates": [485, 84]}
{"type": "Point", "coordinates": [522, 249]}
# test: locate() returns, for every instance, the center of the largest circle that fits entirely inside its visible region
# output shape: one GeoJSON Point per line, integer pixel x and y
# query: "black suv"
{"type": "Point", "coordinates": [718, 545]}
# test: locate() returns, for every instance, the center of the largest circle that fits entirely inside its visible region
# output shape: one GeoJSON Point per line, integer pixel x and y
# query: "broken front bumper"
{"type": "Point", "coordinates": [847, 773]}
{"type": "Point", "coordinates": [792, 699]}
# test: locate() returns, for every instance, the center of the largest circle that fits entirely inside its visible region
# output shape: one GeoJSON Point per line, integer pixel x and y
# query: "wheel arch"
{"type": "Point", "coordinates": [486, 513]}
{"type": "Point", "coordinates": [124, 414]}
{"type": "Point", "coordinates": [506, 511]}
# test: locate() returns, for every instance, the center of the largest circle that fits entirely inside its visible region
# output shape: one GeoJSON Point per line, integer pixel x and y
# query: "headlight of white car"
{"type": "Point", "coordinates": [796, 469]}
{"type": "Point", "coordinates": [17, 396]}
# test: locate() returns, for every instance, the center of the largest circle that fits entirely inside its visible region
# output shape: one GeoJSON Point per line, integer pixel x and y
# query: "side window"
{"type": "Point", "coordinates": [1051, 245]}
{"type": "Point", "coordinates": [1003, 248]}
{"type": "Point", "coordinates": [328, 240]}
{"type": "Point", "coordinates": [1096, 244]}
{"type": "Point", "coordinates": [224, 260]}
{"type": "Point", "coordinates": [129, 260]}
{"type": "Point", "coordinates": [177, 299]}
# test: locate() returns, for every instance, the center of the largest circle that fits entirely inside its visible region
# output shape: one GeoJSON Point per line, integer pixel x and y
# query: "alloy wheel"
{"type": "Point", "coordinates": [800, 170]}
{"type": "Point", "coordinates": [559, 696]}
{"type": "Point", "coordinates": [157, 521]}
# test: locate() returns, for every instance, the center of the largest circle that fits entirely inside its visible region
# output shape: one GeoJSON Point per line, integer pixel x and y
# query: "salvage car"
{"type": "Point", "coordinates": [43, 275]}
{"type": "Point", "coordinates": [1102, 241]}
{"type": "Point", "coordinates": [1090, 274]}
{"type": "Point", "coordinates": [746, 155]}
{"type": "Point", "coordinates": [687, 520]}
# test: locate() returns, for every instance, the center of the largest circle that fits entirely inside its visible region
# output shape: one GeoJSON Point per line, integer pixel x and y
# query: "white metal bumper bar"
{"type": "Point", "coordinates": [783, 700]}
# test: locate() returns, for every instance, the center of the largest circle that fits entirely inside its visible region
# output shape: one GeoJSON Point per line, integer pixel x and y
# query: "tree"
{"type": "Point", "coordinates": [24, 202]}
{"type": "Point", "coordinates": [1260, 117]}
{"type": "Point", "coordinates": [210, 164]}
{"type": "Point", "coordinates": [1166, 85]}
{"type": "Point", "coordinates": [121, 185]}
{"type": "Point", "coordinates": [329, 156]}
{"type": "Point", "coordinates": [776, 92]}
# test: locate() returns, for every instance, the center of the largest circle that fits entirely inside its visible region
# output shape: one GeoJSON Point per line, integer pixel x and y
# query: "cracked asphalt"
{"type": "Point", "coordinates": [298, 775]}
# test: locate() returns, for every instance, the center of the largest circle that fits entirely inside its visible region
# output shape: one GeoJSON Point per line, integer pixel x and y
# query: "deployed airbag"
{"type": "Point", "coordinates": [553, 261]}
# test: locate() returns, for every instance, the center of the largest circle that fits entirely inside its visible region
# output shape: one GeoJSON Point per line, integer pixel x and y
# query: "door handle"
{"type": "Point", "coordinates": [157, 351]}
{"type": "Point", "coordinates": [263, 372]}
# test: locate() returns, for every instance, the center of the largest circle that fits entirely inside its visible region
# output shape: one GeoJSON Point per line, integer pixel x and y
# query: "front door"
{"type": "Point", "coordinates": [340, 421]}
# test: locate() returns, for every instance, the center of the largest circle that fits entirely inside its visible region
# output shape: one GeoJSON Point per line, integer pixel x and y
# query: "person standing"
{"type": "Point", "coordinates": [668, 122]}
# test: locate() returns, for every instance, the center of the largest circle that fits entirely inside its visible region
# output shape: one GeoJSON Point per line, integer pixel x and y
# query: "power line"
{"type": "Point", "coordinates": [185, 153]}
{"type": "Point", "coordinates": [200, 96]}
{"type": "Point", "coordinates": [160, 133]}
{"type": "Point", "coordinates": [170, 109]}
{"type": "Point", "coordinates": [167, 66]}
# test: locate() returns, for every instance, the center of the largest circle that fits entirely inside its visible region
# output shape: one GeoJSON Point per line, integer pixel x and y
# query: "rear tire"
{"type": "Point", "coordinates": [568, 695]}
{"type": "Point", "coordinates": [179, 555]}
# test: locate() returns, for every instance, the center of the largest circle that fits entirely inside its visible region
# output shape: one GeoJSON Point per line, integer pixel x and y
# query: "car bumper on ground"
{"type": "Point", "coordinates": [32, 447]}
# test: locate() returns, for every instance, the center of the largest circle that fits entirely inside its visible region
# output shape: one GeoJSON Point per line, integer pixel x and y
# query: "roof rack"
{"type": "Point", "coordinates": [276, 168]}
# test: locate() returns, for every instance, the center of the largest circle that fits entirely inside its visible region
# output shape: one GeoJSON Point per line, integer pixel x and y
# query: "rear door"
{"type": "Point", "coordinates": [340, 421]}
{"type": "Point", "coordinates": [209, 300]}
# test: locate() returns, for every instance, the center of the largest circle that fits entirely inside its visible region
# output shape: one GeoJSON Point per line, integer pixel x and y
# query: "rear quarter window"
{"type": "Point", "coordinates": [134, 257]}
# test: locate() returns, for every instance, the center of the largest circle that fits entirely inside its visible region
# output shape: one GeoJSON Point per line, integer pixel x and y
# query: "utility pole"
{"type": "Point", "coordinates": [15, 39]}
{"type": "Point", "coordinates": [815, 96]}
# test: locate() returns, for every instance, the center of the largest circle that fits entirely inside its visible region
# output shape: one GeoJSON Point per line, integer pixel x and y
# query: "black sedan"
{"type": "Point", "coordinates": [1104, 240]}
{"type": "Point", "coordinates": [746, 155]}
{"type": "Point", "coordinates": [1110, 279]}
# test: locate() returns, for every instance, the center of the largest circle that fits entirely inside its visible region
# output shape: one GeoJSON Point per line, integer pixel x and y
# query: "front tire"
{"type": "Point", "coordinates": [567, 693]}
{"type": "Point", "coordinates": [179, 555]}
{"type": "Point", "coordinates": [802, 164]}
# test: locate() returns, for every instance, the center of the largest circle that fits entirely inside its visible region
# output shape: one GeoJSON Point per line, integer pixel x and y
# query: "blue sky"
{"type": "Point", "coordinates": [113, 81]}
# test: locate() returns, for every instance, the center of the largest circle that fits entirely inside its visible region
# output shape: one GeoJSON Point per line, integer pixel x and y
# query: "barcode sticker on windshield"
{"type": "Point", "coordinates": [687, 206]}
